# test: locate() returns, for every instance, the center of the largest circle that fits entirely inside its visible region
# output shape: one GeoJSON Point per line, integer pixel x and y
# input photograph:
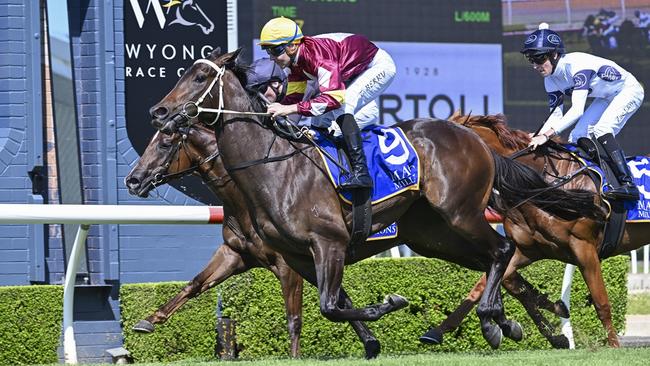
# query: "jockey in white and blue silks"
{"type": "Point", "coordinates": [351, 73]}
{"type": "Point", "coordinates": [617, 95]}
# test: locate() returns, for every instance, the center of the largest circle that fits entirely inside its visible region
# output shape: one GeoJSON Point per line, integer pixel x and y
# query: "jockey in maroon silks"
{"type": "Point", "coordinates": [351, 73]}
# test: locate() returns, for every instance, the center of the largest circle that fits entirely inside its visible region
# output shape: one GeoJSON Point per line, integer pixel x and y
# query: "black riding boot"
{"type": "Point", "coordinates": [359, 176]}
{"type": "Point", "coordinates": [626, 188]}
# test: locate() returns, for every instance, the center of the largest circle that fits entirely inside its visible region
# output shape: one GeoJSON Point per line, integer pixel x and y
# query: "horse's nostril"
{"type": "Point", "coordinates": [159, 112]}
{"type": "Point", "coordinates": [133, 183]}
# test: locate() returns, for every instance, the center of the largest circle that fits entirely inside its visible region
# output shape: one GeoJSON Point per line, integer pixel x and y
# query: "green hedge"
{"type": "Point", "coordinates": [434, 289]}
{"type": "Point", "coordinates": [30, 324]}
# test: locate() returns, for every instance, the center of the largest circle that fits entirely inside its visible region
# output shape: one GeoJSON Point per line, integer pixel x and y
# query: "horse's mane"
{"type": "Point", "coordinates": [510, 138]}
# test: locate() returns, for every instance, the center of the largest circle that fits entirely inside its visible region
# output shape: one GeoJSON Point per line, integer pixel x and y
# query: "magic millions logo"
{"type": "Point", "coordinates": [161, 39]}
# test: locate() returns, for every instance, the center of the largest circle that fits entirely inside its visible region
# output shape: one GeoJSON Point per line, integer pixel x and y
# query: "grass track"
{"type": "Point", "coordinates": [583, 357]}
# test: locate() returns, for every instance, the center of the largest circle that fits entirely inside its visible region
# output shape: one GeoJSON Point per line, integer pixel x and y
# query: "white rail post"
{"type": "Point", "coordinates": [633, 259]}
{"type": "Point", "coordinates": [69, 344]}
{"type": "Point", "coordinates": [567, 330]}
{"type": "Point", "coordinates": [646, 259]}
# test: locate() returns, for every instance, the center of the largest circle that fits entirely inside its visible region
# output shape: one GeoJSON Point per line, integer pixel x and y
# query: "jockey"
{"type": "Point", "coordinates": [267, 78]}
{"type": "Point", "coordinates": [351, 73]}
{"type": "Point", "coordinates": [644, 23]}
{"type": "Point", "coordinates": [617, 95]}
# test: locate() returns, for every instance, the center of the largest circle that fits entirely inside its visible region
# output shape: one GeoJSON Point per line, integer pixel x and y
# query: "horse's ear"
{"type": "Point", "coordinates": [215, 53]}
{"type": "Point", "coordinates": [455, 116]}
{"type": "Point", "coordinates": [231, 57]}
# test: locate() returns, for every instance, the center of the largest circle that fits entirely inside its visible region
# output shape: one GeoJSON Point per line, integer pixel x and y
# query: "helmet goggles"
{"type": "Point", "coordinates": [537, 59]}
{"type": "Point", "coordinates": [275, 51]}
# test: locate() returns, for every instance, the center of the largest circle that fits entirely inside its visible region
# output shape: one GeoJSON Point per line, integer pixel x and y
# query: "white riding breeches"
{"type": "Point", "coordinates": [362, 93]}
{"type": "Point", "coordinates": [609, 115]}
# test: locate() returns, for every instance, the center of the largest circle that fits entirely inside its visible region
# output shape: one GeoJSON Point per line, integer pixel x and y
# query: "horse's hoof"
{"type": "Point", "coordinates": [373, 347]}
{"type": "Point", "coordinates": [559, 342]}
{"type": "Point", "coordinates": [396, 301]}
{"type": "Point", "coordinates": [514, 330]}
{"type": "Point", "coordinates": [493, 335]}
{"type": "Point", "coordinates": [432, 336]}
{"type": "Point", "coordinates": [143, 326]}
{"type": "Point", "coordinates": [561, 310]}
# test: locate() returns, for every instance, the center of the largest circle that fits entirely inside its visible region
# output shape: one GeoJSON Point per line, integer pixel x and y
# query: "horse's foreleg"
{"type": "Point", "coordinates": [435, 335]}
{"type": "Point", "coordinates": [329, 262]}
{"type": "Point", "coordinates": [371, 344]}
{"type": "Point", "coordinates": [224, 263]}
{"type": "Point", "coordinates": [589, 265]}
{"type": "Point", "coordinates": [292, 285]}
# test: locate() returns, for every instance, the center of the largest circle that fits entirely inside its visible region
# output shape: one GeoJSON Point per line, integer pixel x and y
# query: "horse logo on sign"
{"type": "Point", "coordinates": [184, 12]}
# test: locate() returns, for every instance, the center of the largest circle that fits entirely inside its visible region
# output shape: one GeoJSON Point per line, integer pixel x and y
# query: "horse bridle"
{"type": "Point", "coordinates": [162, 177]}
{"type": "Point", "coordinates": [193, 109]}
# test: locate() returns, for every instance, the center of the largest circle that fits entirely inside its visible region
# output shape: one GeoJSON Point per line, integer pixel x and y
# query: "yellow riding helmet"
{"type": "Point", "coordinates": [279, 31]}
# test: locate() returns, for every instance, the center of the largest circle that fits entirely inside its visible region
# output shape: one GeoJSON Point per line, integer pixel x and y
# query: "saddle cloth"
{"type": "Point", "coordinates": [393, 163]}
{"type": "Point", "coordinates": [639, 210]}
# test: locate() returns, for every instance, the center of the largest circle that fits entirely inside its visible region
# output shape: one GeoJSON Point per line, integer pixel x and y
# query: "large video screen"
{"type": "Point", "coordinates": [447, 54]}
{"type": "Point", "coordinates": [614, 29]}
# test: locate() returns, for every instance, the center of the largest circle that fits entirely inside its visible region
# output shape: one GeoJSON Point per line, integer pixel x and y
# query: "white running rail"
{"type": "Point", "coordinates": [85, 215]}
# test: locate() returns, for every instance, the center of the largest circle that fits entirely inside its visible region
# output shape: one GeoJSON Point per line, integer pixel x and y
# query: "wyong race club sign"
{"type": "Point", "coordinates": [161, 39]}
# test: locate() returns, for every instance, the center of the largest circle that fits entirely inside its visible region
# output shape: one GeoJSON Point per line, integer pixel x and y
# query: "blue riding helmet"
{"type": "Point", "coordinates": [541, 42]}
{"type": "Point", "coordinates": [262, 71]}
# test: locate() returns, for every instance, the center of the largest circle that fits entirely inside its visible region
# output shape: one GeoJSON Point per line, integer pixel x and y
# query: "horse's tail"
{"type": "Point", "coordinates": [516, 183]}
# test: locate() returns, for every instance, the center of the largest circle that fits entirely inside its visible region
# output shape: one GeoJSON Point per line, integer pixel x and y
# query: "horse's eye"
{"type": "Point", "coordinates": [165, 144]}
{"type": "Point", "coordinates": [199, 78]}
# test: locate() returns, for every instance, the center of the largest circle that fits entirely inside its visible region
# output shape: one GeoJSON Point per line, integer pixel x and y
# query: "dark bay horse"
{"type": "Point", "coordinates": [542, 236]}
{"type": "Point", "coordinates": [194, 150]}
{"type": "Point", "coordinates": [296, 210]}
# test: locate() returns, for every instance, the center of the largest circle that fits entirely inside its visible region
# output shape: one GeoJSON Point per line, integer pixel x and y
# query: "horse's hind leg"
{"type": "Point", "coordinates": [292, 285]}
{"type": "Point", "coordinates": [224, 263]}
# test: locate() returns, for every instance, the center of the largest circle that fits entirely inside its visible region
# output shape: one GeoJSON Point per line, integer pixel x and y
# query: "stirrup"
{"type": "Point", "coordinates": [624, 192]}
{"type": "Point", "coordinates": [357, 180]}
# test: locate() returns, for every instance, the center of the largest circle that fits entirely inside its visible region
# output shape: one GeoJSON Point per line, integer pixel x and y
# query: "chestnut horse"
{"type": "Point", "coordinates": [296, 210]}
{"type": "Point", "coordinates": [541, 236]}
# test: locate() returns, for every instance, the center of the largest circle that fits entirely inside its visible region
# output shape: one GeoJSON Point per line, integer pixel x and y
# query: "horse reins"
{"type": "Point", "coordinates": [160, 178]}
{"type": "Point", "coordinates": [559, 182]}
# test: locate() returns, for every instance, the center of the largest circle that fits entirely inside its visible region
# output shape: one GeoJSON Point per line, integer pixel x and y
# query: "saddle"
{"type": "Point", "coordinates": [590, 151]}
{"type": "Point", "coordinates": [361, 198]}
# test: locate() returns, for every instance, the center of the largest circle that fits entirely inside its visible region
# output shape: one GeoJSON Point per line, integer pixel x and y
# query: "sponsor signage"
{"type": "Point", "coordinates": [161, 39]}
{"type": "Point", "coordinates": [435, 79]}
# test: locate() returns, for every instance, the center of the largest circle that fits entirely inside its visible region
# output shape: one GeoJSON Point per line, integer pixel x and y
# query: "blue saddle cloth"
{"type": "Point", "coordinates": [639, 210]}
{"type": "Point", "coordinates": [393, 163]}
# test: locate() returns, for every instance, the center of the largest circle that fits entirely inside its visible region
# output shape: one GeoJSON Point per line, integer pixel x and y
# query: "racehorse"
{"type": "Point", "coordinates": [194, 150]}
{"type": "Point", "coordinates": [542, 236]}
{"type": "Point", "coordinates": [297, 211]}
